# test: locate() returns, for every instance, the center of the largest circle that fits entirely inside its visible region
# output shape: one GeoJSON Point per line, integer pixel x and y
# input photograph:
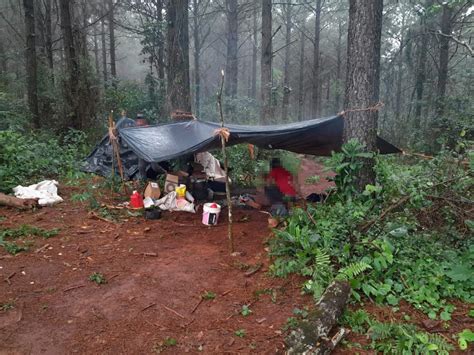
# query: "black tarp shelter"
{"type": "Point", "coordinates": [168, 141]}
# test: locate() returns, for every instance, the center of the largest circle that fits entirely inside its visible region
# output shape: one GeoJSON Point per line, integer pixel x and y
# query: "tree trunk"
{"type": "Point", "coordinates": [363, 76]}
{"type": "Point", "coordinates": [301, 93]}
{"type": "Point", "coordinates": [96, 52]}
{"type": "Point", "coordinates": [197, 59]}
{"type": "Point", "coordinates": [72, 67]}
{"type": "Point", "coordinates": [232, 63]}
{"type": "Point", "coordinates": [266, 63]}
{"type": "Point", "coordinates": [311, 334]}
{"type": "Point", "coordinates": [178, 56]}
{"type": "Point", "coordinates": [49, 37]}
{"type": "Point", "coordinates": [111, 18]}
{"type": "Point", "coordinates": [421, 67]}
{"type": "Point", "coordinates": [286, 65]}
{"type": "Point", "coordinates": [338, 90]}
{"type": "Point", "coordinates": [161, 58]}
{"type": "Point", "coordinates": [3, 57]}
{"type": "Point", "coordinates": [316, 109]}
{"type": "Point", "coordinates": [104, 52]}
{"type": "Point", "coordinates": [31, 65]}
{"type": "Point", "coordinates": [398, 96]}
{"type": "Point", "coordinates": [446, 29]}
{"type": "Point", "coordinates": [161, 44]}
{"type": "Point", "coordinates": [253, 93]}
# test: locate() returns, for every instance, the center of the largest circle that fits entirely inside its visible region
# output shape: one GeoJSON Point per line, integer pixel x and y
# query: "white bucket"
{"type": "Point", "coordinates": [210, 215]}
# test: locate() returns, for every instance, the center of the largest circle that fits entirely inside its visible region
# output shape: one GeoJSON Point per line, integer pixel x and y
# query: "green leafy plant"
{"type": "Point", "coordinates": [6, 306]}
{"type": "Point", "coordinates": [392, 242]}
{"type": "Point", "coordinates": [208, 295]}
{"type": "Point", "coordinates": [245, 311]}
{"type": "Point", "coordinates": [395, 337]}
{"type": "Point", "coordinates": [464, 338]}
{"type": "Point", "coordinates": [241, 333]}
{"type": "Point", "coordinates": [98, 278]}
{"type": "Point", "coordinates": [291, 323]}
{"type": "Point", "coordinates": [165, 344]}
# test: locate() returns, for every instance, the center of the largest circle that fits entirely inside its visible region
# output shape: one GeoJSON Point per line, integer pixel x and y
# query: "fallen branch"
{"type": "Point", "coordinates": [73, 288]}
{"type": "Point", "coordinates": [12, 201]}
{"type": "Point", "coordinates": [197, 305]}
{"type": "Point", "coordinates": [7, 279]}
{"type": "Point", "coordinates": [394, 206]}
{"type": "Point", "coordinates": [253, 270]}
{"type": "Point", "coordinates": [92, 214]}
{"type": "Point", "coordinates": [149, 306]}
{"type": "Point", "coordinates": [173, 311]}
{"type": "Point", "coordinates": [310, 337]}
{"type": "Point", "coordinates": [146, 254]}
{"type": "Point", "coordinates": [39, 250]}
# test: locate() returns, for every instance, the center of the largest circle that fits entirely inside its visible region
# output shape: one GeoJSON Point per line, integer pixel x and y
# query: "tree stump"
{"type": "Point", "coordinates": [311, 335]}
{"type": "Point", "coordinates": [12, 201]}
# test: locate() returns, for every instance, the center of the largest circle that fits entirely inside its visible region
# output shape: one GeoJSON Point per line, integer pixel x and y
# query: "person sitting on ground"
{"type": "Point", "coordinates": [278, 189]}
{"type": "Point", "coordinates": [280, 186]}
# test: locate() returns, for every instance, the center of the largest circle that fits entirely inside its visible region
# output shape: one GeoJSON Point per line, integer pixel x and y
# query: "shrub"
{"type": "Point", "coordinates": [28, 157]}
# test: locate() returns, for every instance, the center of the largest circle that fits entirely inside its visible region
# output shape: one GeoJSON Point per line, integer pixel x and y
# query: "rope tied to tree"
{"type": "Point", "coordinates": [378, 106]}
{"type": "Point", "coordinates": [223, 132]}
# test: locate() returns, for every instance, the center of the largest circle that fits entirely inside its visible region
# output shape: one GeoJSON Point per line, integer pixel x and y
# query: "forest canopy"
{"type": "Point", "coordinates": [74, 61]}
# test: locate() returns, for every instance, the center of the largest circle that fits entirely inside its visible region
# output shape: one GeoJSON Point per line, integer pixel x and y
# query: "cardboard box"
{"type": "Point", "coordinates": [152, 190]}
{"type": "Point", "coordinates": [174, 179]}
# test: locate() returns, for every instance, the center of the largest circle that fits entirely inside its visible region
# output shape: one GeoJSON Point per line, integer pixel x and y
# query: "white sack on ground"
{"type": "Point", "coordinates": [45, 191]}
{"type": "Point", "coordinates": [171, 203]}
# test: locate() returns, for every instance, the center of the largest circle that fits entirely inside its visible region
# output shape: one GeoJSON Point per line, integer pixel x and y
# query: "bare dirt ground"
{"type": "Point", "coordinates": [156, 272]}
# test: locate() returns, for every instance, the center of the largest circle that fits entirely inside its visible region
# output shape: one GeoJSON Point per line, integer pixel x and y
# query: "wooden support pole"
{"type": "Point", "coordinates": [115, 149]}
{"type": "Point", "coordinates": [226, 165]}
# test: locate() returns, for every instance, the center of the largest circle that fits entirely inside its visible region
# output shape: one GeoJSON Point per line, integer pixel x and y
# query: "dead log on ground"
{"type": "Point", "coordinates": [12, 201]}
{"type": "Point", "coordinates": [311, 334]}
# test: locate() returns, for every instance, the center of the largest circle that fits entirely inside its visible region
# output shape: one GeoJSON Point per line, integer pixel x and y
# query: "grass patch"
{"type": "Point", "coordinates": [16, 240]}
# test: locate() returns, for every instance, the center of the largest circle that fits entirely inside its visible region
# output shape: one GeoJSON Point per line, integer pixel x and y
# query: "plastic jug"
{"type": "Point", "coordinates": [181, 191]}
{"type": "Point", "coordinates": [136, 200]}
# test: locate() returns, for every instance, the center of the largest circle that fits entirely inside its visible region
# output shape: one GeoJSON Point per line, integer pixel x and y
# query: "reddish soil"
{"type": "Point", "coordinates": [156, 272]}
{"type": "Point", "coordinates": [147, 298]}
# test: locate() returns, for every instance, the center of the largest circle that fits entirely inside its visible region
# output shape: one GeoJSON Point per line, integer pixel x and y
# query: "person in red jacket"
{"type": "Point", "coordinates": [280, 186]}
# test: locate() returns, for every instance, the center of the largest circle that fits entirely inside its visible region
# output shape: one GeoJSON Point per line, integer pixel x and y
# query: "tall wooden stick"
{"type": "Point", "coordinates": [115, 150]}
{"type": "Point", "coordinates": [226, 167]}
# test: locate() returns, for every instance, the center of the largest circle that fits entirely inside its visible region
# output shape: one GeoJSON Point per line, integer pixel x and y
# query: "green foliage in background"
{"type": "Point", "coordinates": [408, 237]}
{"type": "Point", "coordinates": [26, 158]}
{"type": "Point", "coordinates": [133, 98]}
{"type": "Point", "coordinates": [13, 112]}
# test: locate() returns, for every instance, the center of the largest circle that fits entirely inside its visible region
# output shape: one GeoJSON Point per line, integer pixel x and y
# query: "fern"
{"type": "Point", "coordinates": [322, 258]}
{"type": "Point", "coordinates": [406, 339]}
{"type": "Point", "coordinates": [352, 270]}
